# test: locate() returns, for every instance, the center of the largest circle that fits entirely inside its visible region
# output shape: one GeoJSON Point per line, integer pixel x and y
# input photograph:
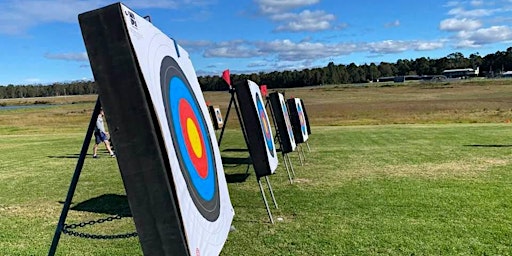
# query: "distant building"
{"type": "Point", "coordinates": [461, 72]}
{"type": "Point", "coordinates": [507, 74]}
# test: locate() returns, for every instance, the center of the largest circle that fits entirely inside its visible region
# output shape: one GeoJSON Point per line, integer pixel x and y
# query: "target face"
{"type": "Point", "coordinates": [283, 124]}
{"type": "Point", "coordinates": [302, 119]}
{"type": "Point", "coordinates": [287, 119]}
{"type": "Point", "coordinates": [265, 125]}
{"type": "Point", "coordinates": [195, 174]}
{"type": "Point", "coordinates": [305, 116]}
{"type": "Point", "coordinates": [216, 116]}
{"type": "Point", "coordinates": [193, 144]}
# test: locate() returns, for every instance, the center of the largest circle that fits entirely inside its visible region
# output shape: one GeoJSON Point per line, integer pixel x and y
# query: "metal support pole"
{"type": "Point", "coordinates": [307, 144]}
{"type": "Point", "coordinates": [74, 180]}
{"type": "Point", "coordinates": [226, 119]}
{"type": "Point", "coordinates": [291, 166]}
{"type": "Point", "coordinates": [265, 201]}
{"type": "Point", "coordinates": [287, 169]}
{"type": "Point", "coordinates": [300, 156]}
{"type": "Point", "coordinates": [271, 192]}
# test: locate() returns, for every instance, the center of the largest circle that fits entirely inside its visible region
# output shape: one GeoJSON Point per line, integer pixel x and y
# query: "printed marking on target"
{"type": "Point", "coordinates": [265, 126]}
{"type": "Point", "coordinates": [287, 121]}
{"type": "Point", "coordinates": [191, 139]}
{"type": "Point", "coordinates": [303, 127]}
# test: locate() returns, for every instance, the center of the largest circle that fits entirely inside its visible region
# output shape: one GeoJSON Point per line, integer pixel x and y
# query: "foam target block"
{"type": "Point", "coordinates": [216, 115]}
{"type": "Point", "coordinates": [165, 142]}
{"type": "Point", "coordinates": [298, 120]}
{"type": "Point", "coordinates": [283, 123]}
{"type": "Point", "coordinates": [257, 128]}
{"type": "Point", "coordinates": [306, 118]}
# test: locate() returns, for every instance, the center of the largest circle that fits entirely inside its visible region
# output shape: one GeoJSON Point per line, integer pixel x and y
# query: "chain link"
{"type": "Point", "coordinates": [67, 229]}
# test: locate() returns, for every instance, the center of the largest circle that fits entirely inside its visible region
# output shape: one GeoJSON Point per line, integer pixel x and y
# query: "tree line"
{"type": "Point", "coordinates": [490, 65]}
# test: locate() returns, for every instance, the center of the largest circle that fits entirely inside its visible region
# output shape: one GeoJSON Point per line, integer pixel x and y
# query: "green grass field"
{"type": "Point", "coordinates": [401, 180]}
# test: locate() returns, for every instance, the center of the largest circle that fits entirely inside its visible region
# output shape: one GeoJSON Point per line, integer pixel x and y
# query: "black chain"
{"type": "Point", "coordinates": [67, 229]}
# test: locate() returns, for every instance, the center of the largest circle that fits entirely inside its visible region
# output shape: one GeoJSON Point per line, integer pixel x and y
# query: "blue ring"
{"type": "Point", "coordinates": [204, 187]}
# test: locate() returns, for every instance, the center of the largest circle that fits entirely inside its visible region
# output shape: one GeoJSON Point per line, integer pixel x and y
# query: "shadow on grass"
{"type": "Point", "coordinates": [488, 146]}
{"type": "Point", "coordinates": [235, 150]}
{"type": "Point", "coordinates": [236, 160]}
{"type": "Point", "coordinates": [108, 204]}
{"type": "Point", "coordinates": [66, 156]}
{"type": "Point", "coordinates": [237, 177]}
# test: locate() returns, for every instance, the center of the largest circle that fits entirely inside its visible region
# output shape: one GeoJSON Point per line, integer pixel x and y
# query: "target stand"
{"type": "Point", "coordinates": [250, 109]}
{"type": "Point", "coordinates": [61, 225]}
{"type": "Point", "coordinates": [286, 158]}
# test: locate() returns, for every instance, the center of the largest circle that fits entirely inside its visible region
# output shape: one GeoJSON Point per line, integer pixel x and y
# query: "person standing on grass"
{"type": "Point", "coordinates": [101, 136]}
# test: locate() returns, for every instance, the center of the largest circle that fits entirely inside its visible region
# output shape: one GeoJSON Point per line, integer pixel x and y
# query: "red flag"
{"type": "Point", "coordinates": [225, 76]}
{"type": "Point", "coordinates": [263, 89]}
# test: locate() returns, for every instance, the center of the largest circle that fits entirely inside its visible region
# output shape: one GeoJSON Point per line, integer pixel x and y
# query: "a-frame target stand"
{"type": "Point", "coordinates": [72, 187]}
{"type": "Point", "coordinates": [286, 158]}
{"type": "Point", "coordinates": [233, 102]}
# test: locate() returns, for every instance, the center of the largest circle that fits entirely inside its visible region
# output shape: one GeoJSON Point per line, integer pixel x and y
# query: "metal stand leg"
{"type": "Point", "coordinates": [271, 192]}
{"type": "Point", "coordinates": [265, 201]}
{"type": "Point", "coordinates": [300, 156]}
{"type": "Point", "coordinates": [307, 144]}
{"type": "Point", "coordinates": [291, 166]}
{"type": "Point", "coordinates": [287, 169]}
{"type": "Point", "coordinates": [301, 150]}
{"type": "Point", "coordinates": [74, 180]}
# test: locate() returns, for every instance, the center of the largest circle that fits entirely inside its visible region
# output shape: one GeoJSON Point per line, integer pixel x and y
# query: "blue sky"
{"type": "Point", "coordinates": [41, 41]}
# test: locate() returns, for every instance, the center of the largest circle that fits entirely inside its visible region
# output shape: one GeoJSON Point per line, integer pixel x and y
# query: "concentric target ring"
{"type": "Point", "coordinates": [303, 126]}
{"type": "Point", "coordinates": [287, 121]}
{"type": "Point", "coordinates": [191, 139]}
{"type": "Point", "coordinates": [265, 126]}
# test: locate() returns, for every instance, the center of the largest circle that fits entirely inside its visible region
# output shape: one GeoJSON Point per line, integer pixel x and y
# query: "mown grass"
{"type": "Point", "coordinates": [432, 188]}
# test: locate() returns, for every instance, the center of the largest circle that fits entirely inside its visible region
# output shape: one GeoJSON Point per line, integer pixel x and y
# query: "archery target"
{"type": "Point", "coordinates": [283, 123]}
{"type": "Point", "coordinates": [216, 116]}
{"type": "Point", "coordinates": [306, 118]}
{"type": "Point", "coordinates": [298, 120]}
{"type": "Point", "coordinates": [196, 171]}
{"type": "Point", "coordinates": [257, 127]}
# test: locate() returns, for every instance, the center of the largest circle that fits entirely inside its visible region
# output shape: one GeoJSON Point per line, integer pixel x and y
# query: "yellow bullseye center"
{"type": "Point", "coordinates": [195, 140]}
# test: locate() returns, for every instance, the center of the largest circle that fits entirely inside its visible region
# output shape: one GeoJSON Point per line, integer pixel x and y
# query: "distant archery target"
{"type": "Point", "coordinates": [193, 144]}
{"type": "Point", "coordinates": [298, 120]}
{"type": "Point", "coordinates": [302, 119]}
{"type": "Point", "coordinates": [306, 118]}
{"type": "Point", "coordinates": [216, 116]}
{"type": "Point", "coordinates": [283, 124]}
{"type": "Point", "coordinates": [257, 128]}
{"type": "Point", "coordinates": [287, 119]}
{"type": "Point", "coordinates": [265, 126]}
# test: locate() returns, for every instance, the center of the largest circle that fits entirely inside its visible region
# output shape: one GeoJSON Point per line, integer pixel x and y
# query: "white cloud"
{"type": "Point", "coordinates": [395, 23]}
{"type": "Point", "coordinates": [428, 46]}
{"type": "Point", "coordinates": [305, 21]}
{"type": "Point", "coordinates": [277, 6]}
{"type": "Point", "coordinates": [20, 15]}
{"type": "Point", "coordinates": [67, 56]}
{"type": "Point", "coordinates": [461, 12]}
{"type": "Point", "coordinates": [454, 24]}
{"type": "Point", "coordinates": [485, 36]}
{"type": "Point", "coordinates": [477, 2]}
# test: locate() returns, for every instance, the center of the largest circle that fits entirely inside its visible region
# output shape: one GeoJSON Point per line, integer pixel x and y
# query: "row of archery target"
{"type": "Point", "coordinates": [290, 121]}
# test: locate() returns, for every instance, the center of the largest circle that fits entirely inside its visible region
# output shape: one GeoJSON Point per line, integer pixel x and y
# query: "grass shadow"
{"type": "Point", "coordinates": [488, 145]}
{"type": "Point", "coordinates": [108, 204]}
{"type": "Point", "coordinates": [75, 156]}
{"type": "Point", "coordinates": [235, 150]}
{"type": "Point", "coordinates": [237, 177]}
